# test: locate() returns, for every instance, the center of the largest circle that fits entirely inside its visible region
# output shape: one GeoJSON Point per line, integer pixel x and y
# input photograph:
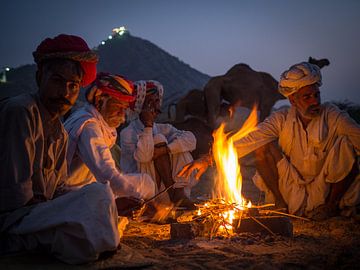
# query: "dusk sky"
{"type": "Point", "coordinates": [211, 36]}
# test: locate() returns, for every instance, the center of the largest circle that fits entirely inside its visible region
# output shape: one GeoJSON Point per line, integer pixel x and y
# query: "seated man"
{"type": "Point", "coordinates": [307, 155]}
{"type": "Point", "coordinates": [92, 132]}
{"type": "Point", "coordinates": [74, 227]}
{"type": "Point", "coordinates": [157, 149]}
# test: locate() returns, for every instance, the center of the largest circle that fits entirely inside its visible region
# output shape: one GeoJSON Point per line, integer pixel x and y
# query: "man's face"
{"type": "Point", "coordinates": [59, 86]}
{"type": "Point", "coordinates": [152, 104]}
{"type": "Point", "coordinates": [113, 111]}
{"type": "Point", "coordinates": [307, 101]}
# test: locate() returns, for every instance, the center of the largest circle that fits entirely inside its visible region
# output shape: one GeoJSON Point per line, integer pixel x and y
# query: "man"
{"type": "Point", "coordinates": [75, 227]}
{"type": "Point", "coordinates": [157, 149]}
{"type": "Point", "coordinates": [307, 155]}
{"type": "Point", "coordinates": [92, 132]}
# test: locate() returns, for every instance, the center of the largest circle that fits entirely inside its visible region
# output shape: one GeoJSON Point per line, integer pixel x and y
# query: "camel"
{"type": "Point", "coordinates": [241, 87]}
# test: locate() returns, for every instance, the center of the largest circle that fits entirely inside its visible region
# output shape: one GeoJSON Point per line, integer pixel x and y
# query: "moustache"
{"type": "Point", "coordinates": [314, 107]}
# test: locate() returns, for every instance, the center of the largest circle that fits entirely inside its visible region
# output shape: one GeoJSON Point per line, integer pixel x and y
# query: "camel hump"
{"type": "Point", "coordinates": [238, 68]}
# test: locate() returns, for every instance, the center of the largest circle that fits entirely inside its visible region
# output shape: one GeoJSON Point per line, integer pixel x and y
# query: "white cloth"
{"type": "Point", "coordinates": [75, 227]}
{"type": "Point", "coordinates": [312, 157]}
{"type": "Point", "coordinates": [137, 149]}
{"type": "Point", "coordinates": [89, 156]}
{"type": "Point", "coordinates": [298, 76]}
{"type": "Point", "coordinates": [140, 87]}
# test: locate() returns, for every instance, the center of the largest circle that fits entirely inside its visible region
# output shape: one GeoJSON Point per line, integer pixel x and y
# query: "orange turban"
{"type": "Point", "coordinates": [69, 47]}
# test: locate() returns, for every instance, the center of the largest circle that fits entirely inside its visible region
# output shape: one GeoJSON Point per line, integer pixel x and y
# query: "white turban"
{"type": "Point", "coordinates": [144, 88]}
{"type": "Point", "coordinates": [298, 76]}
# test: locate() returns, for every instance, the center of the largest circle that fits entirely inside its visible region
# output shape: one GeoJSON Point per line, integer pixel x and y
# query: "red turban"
{"type": "Point", "coordinates": [69, 47]}
{"type": "Point", "coordinates": [115, 86]}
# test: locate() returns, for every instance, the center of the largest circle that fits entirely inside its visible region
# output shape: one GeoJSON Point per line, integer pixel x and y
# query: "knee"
{"type": "Point", "coordinates": [148, 185]}
{"type": "Point", "coordinates": [262, 153]}
{"type": "Point", "coordinates": [101, 191]}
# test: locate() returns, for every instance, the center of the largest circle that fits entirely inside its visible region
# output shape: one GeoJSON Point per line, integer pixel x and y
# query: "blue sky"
{"type": "Point", "coordinates": [211, 36]}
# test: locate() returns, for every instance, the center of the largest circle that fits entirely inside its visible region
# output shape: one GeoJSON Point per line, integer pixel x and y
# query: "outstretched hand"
{"type": "Point", "coordinates": [200, 164]}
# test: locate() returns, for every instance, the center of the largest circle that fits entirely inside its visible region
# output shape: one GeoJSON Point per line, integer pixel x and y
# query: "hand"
{"type": "Point", "coordinates": [126, 205]}
{"type": "Point", "coordinates": [200, 164]}
{"type": "Point", "coordinates": [147, 117]}
{"type": "Point", "coordinates": [181, 182]}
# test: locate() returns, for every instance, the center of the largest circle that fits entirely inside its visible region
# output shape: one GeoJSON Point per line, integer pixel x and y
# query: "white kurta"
{"type": "Point", "coordinates": [137, 149]}
{"type": "Point", "coordinates": [32, 152]}
{"type": "Point", "coordinates": [324, 153]}
{"type": "Point", "coordinates": [74, 227]}
{"type": "Point", "coordinates": [90, 159]}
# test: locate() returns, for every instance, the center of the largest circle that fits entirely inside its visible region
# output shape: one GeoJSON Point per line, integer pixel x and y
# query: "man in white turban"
{"type": "Point", "coordinates": [306, 155]}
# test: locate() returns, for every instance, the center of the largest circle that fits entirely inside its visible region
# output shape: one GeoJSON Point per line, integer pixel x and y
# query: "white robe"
{"type": "Point", "coordinates": [314, 158]}
{"type": "Point", "coordinates": [89, 156]}
{"type": "Point", "coordinates": [75, 227]}
{"type": "Point", "coordinates": [137, 149]}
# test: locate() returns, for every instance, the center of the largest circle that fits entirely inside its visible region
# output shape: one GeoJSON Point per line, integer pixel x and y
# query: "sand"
{"type": "Point", "coordinates": [331, 244]}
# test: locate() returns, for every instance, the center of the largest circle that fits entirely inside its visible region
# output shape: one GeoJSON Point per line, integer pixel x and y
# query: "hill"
{"type": "Point", "coordinates": [133, 57]}
{"type": "Point", "coordinates": [140, 59]}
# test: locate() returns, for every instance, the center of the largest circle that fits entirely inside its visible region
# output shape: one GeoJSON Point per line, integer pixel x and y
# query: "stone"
{"type": "Point", "coordinates": [186, 230]}
{"type": "Point", "coordinates": [277, 224]}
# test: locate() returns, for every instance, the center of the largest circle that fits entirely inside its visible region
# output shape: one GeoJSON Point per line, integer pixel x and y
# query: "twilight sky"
{"type": "Point", "coordinates": [211, 36]}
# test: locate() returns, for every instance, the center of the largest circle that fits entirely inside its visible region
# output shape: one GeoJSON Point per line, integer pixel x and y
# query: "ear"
{"type": "Point", "coordinates": [292, 99]}
{"type": "Point", "coordinates": [97, 101]}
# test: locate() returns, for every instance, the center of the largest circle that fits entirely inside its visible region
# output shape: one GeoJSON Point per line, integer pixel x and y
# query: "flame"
{"type": "Point", "coordinates": [229, 180]}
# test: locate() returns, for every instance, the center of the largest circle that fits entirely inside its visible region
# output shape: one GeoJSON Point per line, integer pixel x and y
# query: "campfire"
{"type": "Point", "coordinates": [229, 212]}
{"type": "Point", "coordinates": [228, 204]}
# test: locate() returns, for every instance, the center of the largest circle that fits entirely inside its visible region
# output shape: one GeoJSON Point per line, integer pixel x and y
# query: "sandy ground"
{"type": "Point", "coordinates": [332, 244]}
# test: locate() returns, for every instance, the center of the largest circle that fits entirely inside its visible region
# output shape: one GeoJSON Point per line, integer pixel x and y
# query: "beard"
{"type": "Point", "coordinates": [311, 112]}
{"type": "Point", "coordinates": [116, 121]}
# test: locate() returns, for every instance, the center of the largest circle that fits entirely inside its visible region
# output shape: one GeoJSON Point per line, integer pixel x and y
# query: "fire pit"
{"type": "Point", "coordinates": [217, 218]}
{"type": "Point", "coordinates": [230, 213]}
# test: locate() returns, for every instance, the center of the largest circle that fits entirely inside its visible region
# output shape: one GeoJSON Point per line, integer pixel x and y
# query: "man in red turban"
{"type": "Point", "coordinates": [92, 133]}
{"type": "Point", "coordinates": [34, 212]}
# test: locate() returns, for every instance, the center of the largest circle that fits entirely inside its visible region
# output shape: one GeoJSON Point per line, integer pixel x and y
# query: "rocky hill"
{"type": "Point", "coordinates": [133, 57]}
{"type": "Point", "coordinates": [140, 59]}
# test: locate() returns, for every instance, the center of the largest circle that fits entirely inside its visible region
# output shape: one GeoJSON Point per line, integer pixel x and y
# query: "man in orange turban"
{"type": "Point", "coordinates": [34, 214]}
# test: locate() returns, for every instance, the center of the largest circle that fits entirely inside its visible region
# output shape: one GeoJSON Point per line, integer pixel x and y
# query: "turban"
{"type": "Point", "coordinates": [115, 86]}
{"type": "Point", "coordinates": [72, 48]}
{"type": "Point", "coordinates": [298, 76]}
{"type": "Point", "coordinates": [145, 88]}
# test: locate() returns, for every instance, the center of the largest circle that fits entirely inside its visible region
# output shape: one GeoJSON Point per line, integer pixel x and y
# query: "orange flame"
{"type": "Point", "coordinates": [229, 180]}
